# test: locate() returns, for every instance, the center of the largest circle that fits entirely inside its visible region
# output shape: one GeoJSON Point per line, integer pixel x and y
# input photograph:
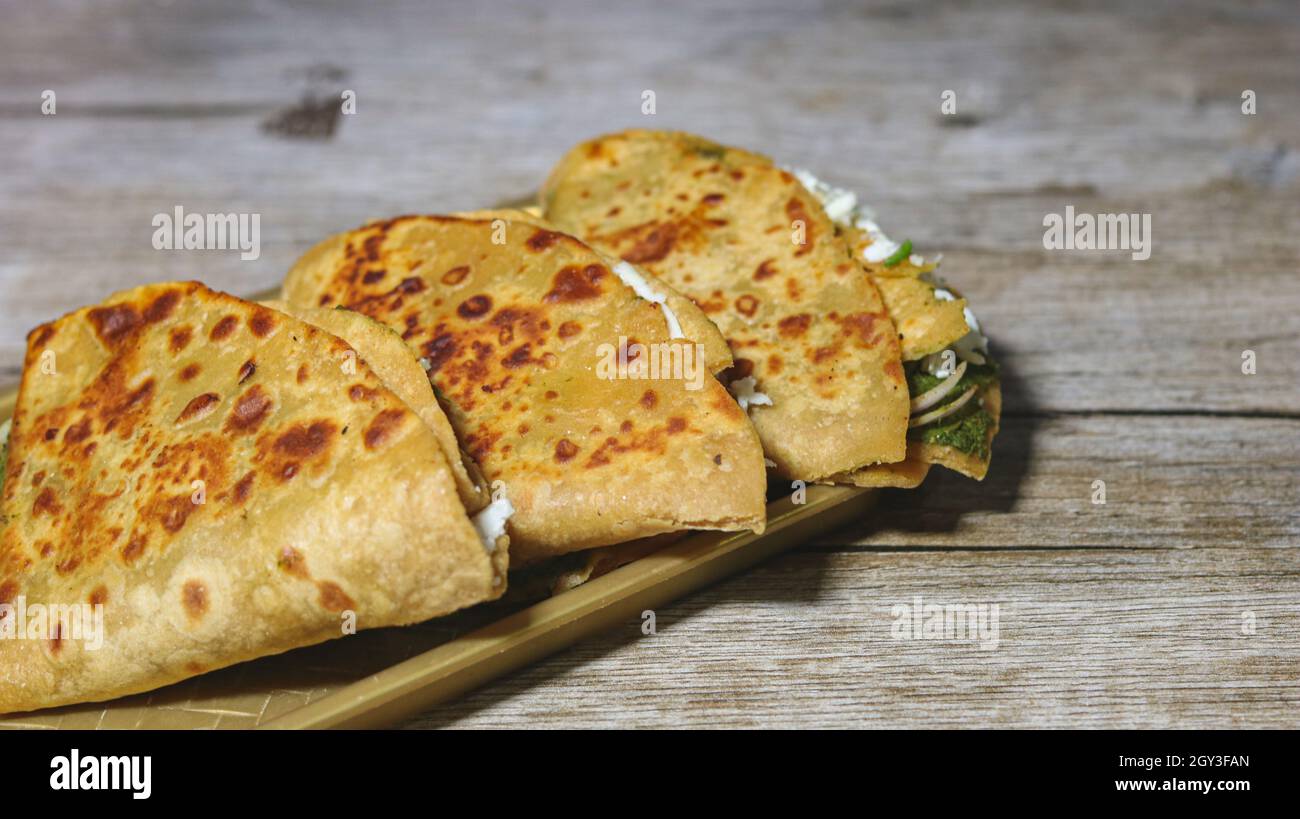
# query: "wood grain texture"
{"type": "Point", "coordinates": [1117, 370]}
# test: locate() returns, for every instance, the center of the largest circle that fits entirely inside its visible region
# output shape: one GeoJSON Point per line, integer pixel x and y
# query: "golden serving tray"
{"type": "Point", "coordinates": [377, 678]}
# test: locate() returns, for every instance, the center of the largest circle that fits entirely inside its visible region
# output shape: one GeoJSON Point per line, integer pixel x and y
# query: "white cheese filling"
{"type": "Point", "coordinates": [633, 279]}
{"type": "Point", "coordinates": [743, 389]}
{"type": "Point", "coordinates": [842, 206]}
{"type": "Point", "coordinates": [490, 523]}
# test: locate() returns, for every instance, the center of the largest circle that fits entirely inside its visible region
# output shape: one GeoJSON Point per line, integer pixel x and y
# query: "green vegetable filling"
{"type": "Point", "coordinates": [966, 430]}
{"type": "Point", "coordinates": [899, 255]}
{"type": "Point", "coordinates": [979, 375]}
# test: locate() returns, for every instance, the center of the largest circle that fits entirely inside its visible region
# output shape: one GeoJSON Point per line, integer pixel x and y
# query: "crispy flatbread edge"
{"type": "Point", "coordinates": [908, 473]}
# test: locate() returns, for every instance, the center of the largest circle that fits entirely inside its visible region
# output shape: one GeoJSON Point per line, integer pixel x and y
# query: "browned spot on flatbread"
{"type": "Point", "coordinates": [649, 399]}
{"type": "Point", "coordinates": [332, 596]}
{"type": "Point", "coordinates": [194, 596]}
{"type": "Point", "coordinates": [456, 275]}
{"type": "Point", "coordinates": [862, 326]}
{"type": "Point", "coordinates": [244, 488]}
{"type": "Point", "coordinates": [439, 351]}
{"type": "Point", "coordinates": [99, 596]}
{"type": "Point", "coordinates": [474, 307]}
{"type": "Point", "coordinates": [134, 548]}
{"type": "Point", "coordinates": [652, 245]}
{"type": "Point", "coordinates": [373, 276]}
{"type": "Point", "coordinates": [543, 239]}
{"type": "Point", "coordinates": [200, 406]}
{"type": "Point", "coordinates": [747, 305]}
{"type": "Point", "coordinates": [565, 450]}
{"type": "Point", "coordinates": [161, 308]}
{"type": "Point", "coordinates": [572, 284]}
{"type": "Point", "coordinates": [180, 338]}
{"type": "Point", "coordinates": [293, 563]}
{"type": "Point", "coordinates": [223, 328]}
{"type": "Point", "coordinates": [569, 329]}
{"type": "Point", "coordinates": [262, 323]}
{"type": "Point", "coordinates": [171, 513]}
{"type": "Point", "coordinates": [794, 326]}
{"type": "Point", "coordinates": [383, 428]}
{"type": "Point", "coordinates": [894, 370]}
{"type": "Point", "coordinates": [78, 432]}
{"type": "Point", "coordinates": [250, 410]}
{"type": "Point", "coordinates": [360, 392]}
{"type": "Point", "coordinates": [766, 270]}
{"type": "Point", "coordinates": [46, 504]}
{"type": "Point", "coordinates": [246, 371]}
{"type": "Point", "coordinates": [304, 441]}
{"type": "Point", "coordinates": [190, 372]}
{"type": "Point", "coordinates": [115, 322]}
{"type": "Point", "coordinates": [520, 357]}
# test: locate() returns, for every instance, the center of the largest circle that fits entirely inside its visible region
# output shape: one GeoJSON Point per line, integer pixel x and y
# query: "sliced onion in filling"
{"type": "Point", "coordinates": [944, 411]}
{"type": "Point", "coordinates": [939, 391]}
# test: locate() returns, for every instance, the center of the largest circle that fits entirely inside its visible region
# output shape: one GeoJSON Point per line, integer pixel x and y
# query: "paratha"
{"type": "Point", "coordinates": [817, 360]}
{"type": "Point", "coordinates": [953, 382]}
{"type": "Point", "coordinates": [216, 476]}
{"type": "Point", "coordinates": [516, 323]}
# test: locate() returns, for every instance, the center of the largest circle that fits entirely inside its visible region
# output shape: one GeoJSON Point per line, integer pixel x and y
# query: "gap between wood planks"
{"type": "Point", "coordinates": [1152, 413]}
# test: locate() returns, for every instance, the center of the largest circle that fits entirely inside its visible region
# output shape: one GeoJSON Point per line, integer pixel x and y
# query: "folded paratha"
{"type": "Point", "coordinates": [400, 370]}
{"type": "Point", "coordinates": [518, 326]}
{"type": "Point", "coordinates": [225, 482]}
{"type": "Point", "coordinates": [953, 382]}
{"type": "Point", "coordinates": [817, 359]}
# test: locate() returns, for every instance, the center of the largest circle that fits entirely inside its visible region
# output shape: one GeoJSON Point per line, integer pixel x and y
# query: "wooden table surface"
{"type": "Point", "coordinates": [1176, 603]}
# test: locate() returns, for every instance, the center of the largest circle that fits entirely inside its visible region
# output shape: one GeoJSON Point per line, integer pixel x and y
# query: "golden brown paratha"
{"type": "Point", "coordinates": [935, 326]}
{"type": "Point", "coordinates": [210, 472]}
{"type": "Point", "coordinates": [515, 322]}
{"type": "Point", "coordinates": [757, 252]}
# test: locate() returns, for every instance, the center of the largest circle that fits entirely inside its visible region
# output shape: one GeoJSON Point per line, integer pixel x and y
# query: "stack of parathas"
{"type": "Point", "coordinates": [434, 399]}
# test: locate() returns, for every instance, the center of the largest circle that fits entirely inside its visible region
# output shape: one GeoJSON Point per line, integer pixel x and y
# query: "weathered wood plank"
{"type": "Point", "coordinates": [1170, 483]}
{"type": "Point", "coordinates": [1126, 614]}
{"type": "Point", "coordinates": [1086, 638]}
